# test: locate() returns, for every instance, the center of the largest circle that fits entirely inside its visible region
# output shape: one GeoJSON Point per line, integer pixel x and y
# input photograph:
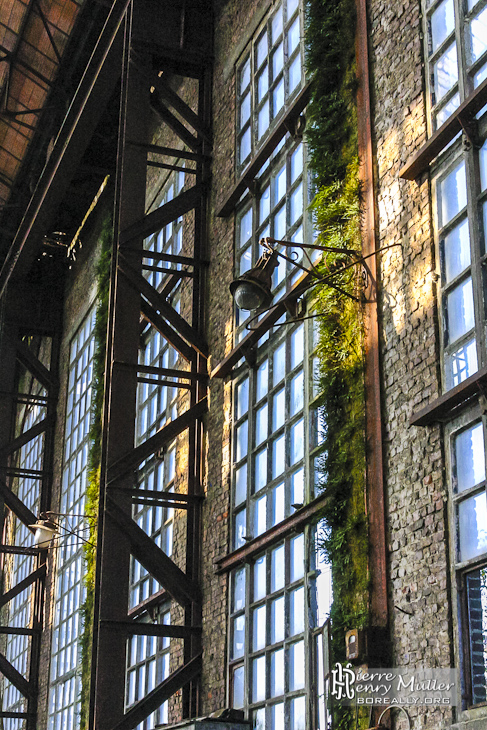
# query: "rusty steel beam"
{"type": "Point", "coordinates": [16, 505]}
{"type": "Point", "coordinates": [152, 222]}
{"type": "Point", "coordinates": [173, 122]}
{"type": "Point", "coordinates": [375, 468]}
{"type": "Point", "coordinates": [136, 628]}
{"type": "Point", "coordinates": [27, 436]}
{"type": "Point", "coordinates": [13, 676]}
{"type": "Point", "coordinates": [160, 694]}
{"type": "Point", "coordinates": [172, 98]}
{"type": "Point", "coordinates": [133, 457]}
{"type": "Point", "coordinates": [154, 560]}
{"type": "Point", "coordinates": [34, 365]}
{"type": "Point", "coordinates": [165, 329]}
{"type": "Point", "coordinates": [23, 584]}
{"type": "Point", "coordinates": [162, 305]}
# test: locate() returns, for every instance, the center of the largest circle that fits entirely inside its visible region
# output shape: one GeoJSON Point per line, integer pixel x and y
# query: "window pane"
{"type": "Point", "coordinates": [260, 476]}
{"type": "Point", "coordinates": [277, 620]}
{"type": "Point", "coordinates": [277, 505]}
{"type": "Point", "coordinates": [245, 228]}
{"type": "Point", "coordinates": [456, 248]}
{"type": "Point", "coordinates": [452, 194]}
{"type": "Point", "coordinates": [264, 204]}
{"type": "Point", "coordinates": [277, 673]}
{"type": "Point", "coordinates": [262, 49]}
{"type": "Point", "coordinates": [240, 528]}
{"type": "Point", "coordinates": [293, 37]}
{"type": "Point", "coordinates": [447, 110]}
{"type": "Point", "coordinates": [442, 24]}
{"type": "Point", "coordinates": [263, 120]}
{"type": "Point", "coordinates": [258, 628]}
{"type": "Point", "coordinates": [278, 102]}
{"type": "Point", "coordinates": [276, 26]}
{"type": "Point", "coordinates": [261, 425]}
{"type": "Point", "coordinates": [296, 666]}
{"type": "Point", "coordinates": [278, 457]}
{"type": "Point", "coordinates": [238, 687]}
{"type": "Point", "coordinates": [242, 397]}
{"type": "Point", "coordinates": [260, 516]}
{"type": "Point", "coordinates": [297, 488]}
{"type": "Point", "coordinates": [445, 72]}
{"type": "Point", "coordinates": [277, 62]}
{"type": "Point", "coordinates": [278, 410]}
{"type": "Point", "coordinates": [241, 484]}
{"type": "Point", "coordinates": [478, 35]}
{"type": "Point", "coordinates": [472, 525]}
{"type": "Point", "coordinates": [477, 618]}
{"type": "Point", "coordinates": [461, 364]}
{"type": "Point", "coordinates": [460, 310]}
{"type": "Point", "coordinates": [279, 363]}
{"type": "Point", "coordinates": [238, 590]}
{"type": "Point", "coordinates": [297, 442]}
{"type": "Point", "coordinates": [258, 679]}
{"type": "Point", "coordinates": [469, 458]}
{"type": "Point", "coordinates": [259, 578]}
{"type": "Point", "coordinates": [297, 558]}
{"type": "Point", "coordinates": [238, 637]}
{"type": "Point", "coordinates": [242, 440]}
{"type": "Point", "coordinates": [245, 76]}
{"type": "Point", "coordinates": [297, 393]}
{"type": "Point", "coordinates": [277, 569]}
{"type": "Point", "coordinates": [244, 110]}
{"type": "Point", "coordinates": [297, 346]}
{"type": "Point", "coordinates": [262, 379]}
{"type": "Point", "coordinates": [298, 714]}
{"type": "Point", "coordinates": [296, 612]}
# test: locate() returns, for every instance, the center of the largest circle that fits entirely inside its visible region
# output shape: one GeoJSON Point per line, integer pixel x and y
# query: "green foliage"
{"type": "Point", "coordinates": [332, 138]}
{"type": "Point", "coordinates": [94, 460]}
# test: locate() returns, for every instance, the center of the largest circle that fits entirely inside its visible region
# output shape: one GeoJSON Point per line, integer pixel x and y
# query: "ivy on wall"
{"type": "Point", "coordinates": [94, 461]}
{"type": "Point", "coordinates": [333, 148]}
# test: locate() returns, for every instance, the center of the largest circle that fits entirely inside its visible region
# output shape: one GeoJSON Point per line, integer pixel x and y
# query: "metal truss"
{"type": "Point", "coordinates": [134, 302]}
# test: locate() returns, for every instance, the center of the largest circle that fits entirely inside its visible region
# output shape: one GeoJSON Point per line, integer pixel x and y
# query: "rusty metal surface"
{"type": "Point", "coordinates": [375, 475]}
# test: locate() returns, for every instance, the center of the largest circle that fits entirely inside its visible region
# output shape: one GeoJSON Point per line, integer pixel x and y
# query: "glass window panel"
{"type": "Point", "coordinates": [452, 194]}
{"type": "Point", "coordinates": [263, 120]}
{"type": "Point", "coordinates": [258, 679]}
{"type": "Point", "coordinates": [261, 424]}
{"type": "Point", "coordinates": [445, 72]}
{"type": "Point", "coordinates": [244, 110]}
{"type": "Point", "coordinates": [476, 584]}
{"type": "Point", "coordinates": [456, 248]}
{"type": "Point", "coordinates": [245, 227]}
{"type": "Point", "coordinates": [245, 75]}
{"type": "Point", "coordinates": [296, 666]}
{"type": "Point", "coordinates": [277, 716]}
{"type": "Point", "coordinates": [478, 35]}
{"type": "Point", "coordinates": [295, 73]}
{"type": "Point", "coordinates": [278, 457]}
{"type": "Point", "coordinates": [240, 528]}
{"type": "Point", "coordinates": [280, 228]}
{"type": "Point", "coordinates": [291, 7]}
{"type": "Point", "coordinates": [260, 476]}
{"type": "Point", "coordinates": [242, 440]}
{"type": "Point", "coordinates": [297, 558]}
{"type": "Point", "coordinates": [264, 204]}
{"type": "Point", "coordinates": [277, 673]}
{"type": "Point", "coordinates": [277, 61]}
{"type": "Point", "coordinates": [442, 24]}
{"type": "Point", "coordinates": [278, 98]}
{"type": "Point", "coordinates": [483, 165]}
{"type": "Point", "coordinates": [296, 612]}
{"type": "Point", "coordinates": [279, 363]}
{"type": "Point", "coordinates": [460, 310]}
{"type": "Point", "coordinates": [277, 569]}
{"type": "Point", "coordinates": [297, 488]}
{"type": "Point", "coordinates": [244, 146]}
{"type": "Point", "coordinates": [297, 393]}
{"type": "Point", "coordinates": [241, 484]}
{"type": "Point", "coordinates": [239, 581]}
{"type": "Point", "coordinates": [296, 205]}
{"type": "Point", "coordinates": [277, 620]}
{"type": "Point", "coordinates": [297, 167]}
{"type": "Point", "coordinates": [276, 26]}
{"type": "Point", "coordinates": [259, 627]}
{"type": "Point", "coordinates": [297, 346]}
{"type": "Point", "coordinates": [259, 719]}
{"type": "Point", "coordinates": [260, 578]}
{"type": "Point", "coordinates": [472, 524]}
{"type": "Point", "coordinates": [260, 515]}
{"type": "Point", "coordinates": [262, 84]}
{"type": "Point", "coordinates": [469, 457]}
{"type": "Point", "coordinates": [242, 397]}
{"type": "Point", "coordinates": [460, 364]}
{"type": "Point", "coordinates": [238, 687]}
{"type": "Point", "coordinates": [298, 714]}
{"type": "Point", "coordinates": [280, 185]}
{"type": "Point", "coordinates": [297, 442]}
{"type": "Point", "coordinates": [277, 504]}
{"type": "Point", "coordinates": [278, 409]}
{"type": "Point", "coordinates": [293, 37]}
{"type": "Point", "coordinates": [262, 379]}
{"type": "Point", "coordinates": [262, 49]}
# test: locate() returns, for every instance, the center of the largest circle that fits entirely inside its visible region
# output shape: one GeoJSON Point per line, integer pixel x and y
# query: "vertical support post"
{"type": "Point", "coordinates": [113, 550]}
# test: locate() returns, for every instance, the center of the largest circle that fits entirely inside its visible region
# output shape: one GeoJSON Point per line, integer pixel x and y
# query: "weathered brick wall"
{"type": "Point", "coordinates": [418, 564]}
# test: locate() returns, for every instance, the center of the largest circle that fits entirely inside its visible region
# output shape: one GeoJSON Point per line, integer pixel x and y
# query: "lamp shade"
{"type": "Point", "coordinates": [45, 531]}
{"type": "Point", "coordinates": [252, 290]}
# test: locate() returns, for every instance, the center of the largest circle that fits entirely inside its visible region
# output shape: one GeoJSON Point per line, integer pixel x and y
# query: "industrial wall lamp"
{"type": "Point", "coordinates": [47, 529]}
{"type": "Point", "coordinates": [252, 290]}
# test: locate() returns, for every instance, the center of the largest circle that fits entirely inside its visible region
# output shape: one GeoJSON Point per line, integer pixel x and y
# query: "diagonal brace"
{"type": "Point", "coordinates": [15, 677]}
{"type": "Point", "coordinates": [154, 560]}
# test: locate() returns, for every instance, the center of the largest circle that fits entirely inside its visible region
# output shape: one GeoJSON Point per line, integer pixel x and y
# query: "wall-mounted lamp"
{"type": "Point", "coordinates": [252, 290]}
{"type": "Point", "coordinates": [47, 529]}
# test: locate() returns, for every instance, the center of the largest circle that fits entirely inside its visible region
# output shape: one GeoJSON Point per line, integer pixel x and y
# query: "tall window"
{"type": "Point", "coordinates": [70, 591]}
{"type": "Point", "coordinates": [280, 596]}
{"type": "Point", "coordinates": [456, 53]}
{"type": "Point", "coordinates": [469, 513]}
{"type": "Point", "coordinates": [268, 76]}
{"type": "Point", "coordinates": [27, 486]}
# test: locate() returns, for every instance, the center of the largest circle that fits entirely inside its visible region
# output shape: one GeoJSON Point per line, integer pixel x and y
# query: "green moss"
{"type": "Point", "coordinates": [332, 138]}
{"type": "Point", "coordinates": [94, 460]}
